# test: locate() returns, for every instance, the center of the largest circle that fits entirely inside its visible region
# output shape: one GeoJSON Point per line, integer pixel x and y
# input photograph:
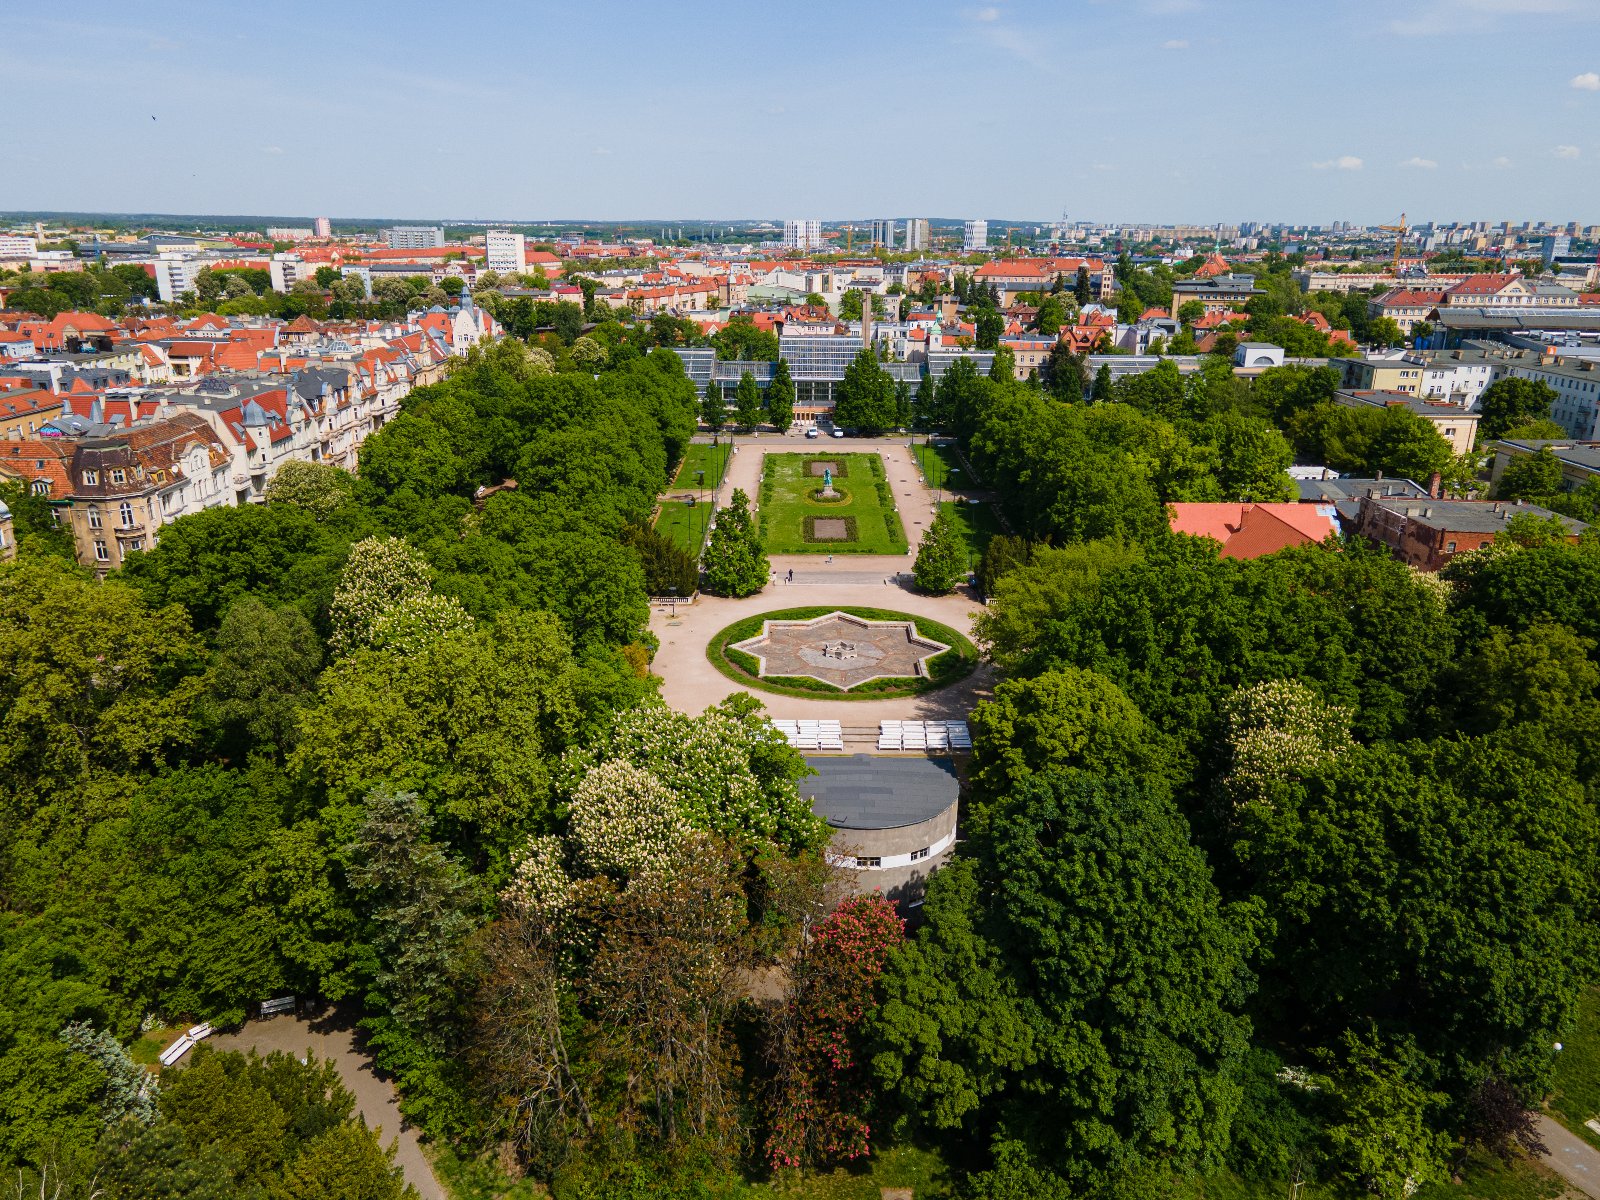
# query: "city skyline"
{"type": "Point", "coordinates": [1147, 111]}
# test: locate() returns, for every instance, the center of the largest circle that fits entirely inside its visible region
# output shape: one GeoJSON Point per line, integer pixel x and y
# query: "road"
{"type": "Point", "coordinates": [335, 1037]}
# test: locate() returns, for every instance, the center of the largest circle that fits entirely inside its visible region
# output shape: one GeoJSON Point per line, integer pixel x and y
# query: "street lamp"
{"type": "Point", "coordinates": [673, 592]}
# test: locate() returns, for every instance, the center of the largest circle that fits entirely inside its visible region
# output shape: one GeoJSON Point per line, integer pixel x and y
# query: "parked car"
{"type": "Point", "coordinates": [836, 432]}
{"type": "Point", "coordinates": [811, 433]}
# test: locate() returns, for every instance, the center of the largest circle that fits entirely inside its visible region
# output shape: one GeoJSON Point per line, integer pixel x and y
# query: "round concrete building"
{"type": "Point", "coordinates": [894, 819]}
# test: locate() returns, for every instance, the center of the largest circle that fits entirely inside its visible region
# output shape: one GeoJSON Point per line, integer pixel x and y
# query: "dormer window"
{"type": "Point", "coordinates": [90, 478]}
{"type": "Point", "coordinates": [118, 475]}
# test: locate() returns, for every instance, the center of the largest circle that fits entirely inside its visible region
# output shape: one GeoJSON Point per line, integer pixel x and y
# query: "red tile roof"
{"type": "Point", "coordinates": [1252, 530]}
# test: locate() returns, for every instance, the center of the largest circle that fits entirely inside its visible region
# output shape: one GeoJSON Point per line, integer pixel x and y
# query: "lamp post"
{"type": "Point", "coordinates": [700, 488]}
{"type": "Point", "coordinates": [673, 592]}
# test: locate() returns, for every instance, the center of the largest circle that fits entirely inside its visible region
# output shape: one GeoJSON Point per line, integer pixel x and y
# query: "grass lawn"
{"type": "Point", "coordinates": [943, 668]}
{"type": "Point", "coordinates": [936, 463]}
{"type": "Point", "coordinates": [1576, 1097]}
{"type": "Point", "coordinates": [713, 460]}
{"type": "Point", "coordinates": [868, 506]}
{"type": "Point", "coordinates": [684, 523]}
{"type": "Point", "coordinates": [977, 523]}
{"type": "Point", "coordinates": [897, 1166]}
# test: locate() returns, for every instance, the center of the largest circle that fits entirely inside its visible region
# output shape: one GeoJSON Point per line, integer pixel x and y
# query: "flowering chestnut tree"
{"type": "Point", "coordinates": [820, 1092]}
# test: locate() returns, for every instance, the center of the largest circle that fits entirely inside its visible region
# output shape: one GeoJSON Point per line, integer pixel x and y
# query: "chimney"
{"type": "Point", "coordinates": [1378, 475]}
{"type": "Point", "coordinates": [1434, 489]}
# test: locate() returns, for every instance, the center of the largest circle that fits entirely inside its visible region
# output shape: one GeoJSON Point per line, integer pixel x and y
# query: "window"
{"type": "Point", "coordinates": [868, 862]}
{"type": "Point", "coordinates": [136, 544]}
{"type": "Point", "coordinates": [90, 478]}
{"type": "Point", "coordinates": [919, 855]}
{"type": "Point", "coordinates": [118, 475]}
{"type": "Point", "coordinates": [1449, 547]}
{"type": "Point", "coordinates": [41, 487]}
{"type": "Point", "coordinates": [101, 553]}
{"type": "Point", "coordinates": [94, 516]}
{"type": "Point", "coordinates": [125, 511]}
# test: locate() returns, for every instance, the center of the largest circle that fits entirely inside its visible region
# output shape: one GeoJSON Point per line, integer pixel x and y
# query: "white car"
{"type": "Point", "coordinates": [838, 433]}
{"type": "Point", "coordinates": [811, 433]}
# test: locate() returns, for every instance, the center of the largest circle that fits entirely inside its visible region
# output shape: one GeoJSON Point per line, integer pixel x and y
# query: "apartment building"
{"type": "Point", "coordinates": [414, 237]}
{"type": "Point", "coordinates": [1454, 423]}
{"type": "Point", "coordinates": [974, 236]}
{"type": "Point", "coordinates": [917, 233]}
{"type": "Point", "coordinates": [802, 235]}
{"type": "Point", "coordinates": [1427, 533]}
{"type": "Point", "coordinates": [506, 251]}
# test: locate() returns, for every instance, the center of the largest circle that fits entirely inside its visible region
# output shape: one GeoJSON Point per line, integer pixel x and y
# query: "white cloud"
{"type": "Point", "coordinates": [272, 149]}
{"type": "Point", "coordinates": [1566, 152]}
{"type": "Point", "coordinates": [987, 14]}
{"type": "Point", "coordinates": [1104, 167]}
{"type": "Point", "coordinates": [1589, 81]}
{"type": "Point", "coordinates": [1345, 162]}
{"type": "Point", "coordinates": [1424, 164]}
{"type": "Point", "coordinates": [1500, 164]}
{"type": "Point", "coordinates": [1175, 44]}
{"type": "Point", "coordinates": [601, 150]}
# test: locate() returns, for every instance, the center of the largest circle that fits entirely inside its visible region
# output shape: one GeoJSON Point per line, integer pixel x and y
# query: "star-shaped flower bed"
{"type": "Point", "coordinates": [842, 650]}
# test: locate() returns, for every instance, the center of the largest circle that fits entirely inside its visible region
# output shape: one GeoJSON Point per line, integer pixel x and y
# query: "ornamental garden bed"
{"type": "Point", "coordinates": [943, 669]}
{"type": "Point", "coordinates": [790, 508]}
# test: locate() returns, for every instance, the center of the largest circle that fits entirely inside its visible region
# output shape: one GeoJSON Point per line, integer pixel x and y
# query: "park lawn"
{"type": "Point", "coordinates": [1576, 1097]}
{"type": "Point", "coordinates": [936, 463]}
{"type": "Point", "coordinates": [702, 456]}
{"type": "Point", "coordinates": [684, 523]}
{"type": "Point", "coordinates": [976, 523]}
{"type": "Point", "coordinates": [785, 503]}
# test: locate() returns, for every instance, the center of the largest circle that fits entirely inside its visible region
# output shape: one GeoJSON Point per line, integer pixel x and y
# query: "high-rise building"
{"type": "Point", "coordinates": [883, 233]}
{"type": "Point", "coordinates": [916, 233]}
{"type": "Point", "coordinates": [323, 226]}
{"type": "Point", "coordinates": [506, 251]}
{"type": "Point", "coordinates": [414, 237]}
{"type": "Point", "coordinates": [802, 235]}
{"type": "Point", "coordinates": [175, 275]}
{"type": "Point", "coordinates": [1557, 245]}
{"type": "Point", "coordinates": [287, 270]}
{"type": "Point", "coordinates": [975, 236]}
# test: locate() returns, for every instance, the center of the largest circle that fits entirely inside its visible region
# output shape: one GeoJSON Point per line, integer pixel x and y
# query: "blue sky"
{"type": "Point", "coordinates": [1144, 110]}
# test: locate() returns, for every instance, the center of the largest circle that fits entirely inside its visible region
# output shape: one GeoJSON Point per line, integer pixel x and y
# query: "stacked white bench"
{"type": "Point", "coordinates": [179, 1048]}
{"type": "Point", "coordinates": [934, 737]}
{"type": "Point", "coordinates": [812, 735]}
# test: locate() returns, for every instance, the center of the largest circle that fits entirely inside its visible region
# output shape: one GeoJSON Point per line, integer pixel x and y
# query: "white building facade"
{"type": "Point", "coordinates": [975, 236]}
{"type": "Point", "coordinates": [506, 251]}
{"type": "Point", "coordinates": [802, 235]}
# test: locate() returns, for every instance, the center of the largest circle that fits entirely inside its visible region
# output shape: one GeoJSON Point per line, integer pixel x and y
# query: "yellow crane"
{"type": "Point", "coordinates": [1399, 240]}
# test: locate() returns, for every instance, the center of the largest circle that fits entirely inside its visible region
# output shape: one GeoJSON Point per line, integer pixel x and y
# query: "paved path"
{"type": "Point", "coordinates": [335, 1037]}
{"type": "Point", "coordinates": [1570, 1157]}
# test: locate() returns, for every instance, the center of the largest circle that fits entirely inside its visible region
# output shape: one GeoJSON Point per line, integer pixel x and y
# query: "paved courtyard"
{"type": "Point", "coordinates": [691, 683]}
{"type": "Point", "coordinates": [841, 649]}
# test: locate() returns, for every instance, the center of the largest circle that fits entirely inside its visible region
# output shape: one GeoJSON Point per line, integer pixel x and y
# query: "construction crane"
{"type": "Point", "coordinates": [1399, 240]}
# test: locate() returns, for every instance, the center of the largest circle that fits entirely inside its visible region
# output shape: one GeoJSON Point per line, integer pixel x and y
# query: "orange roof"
{"type": "Point", "coordinates": [1214, 264]}
{"type": "Point", "coordinates": [39, 458]}
{"type": "Point", "coordinates": [1252, 530]}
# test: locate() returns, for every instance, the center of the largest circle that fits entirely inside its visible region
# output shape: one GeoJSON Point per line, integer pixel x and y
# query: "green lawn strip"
{"type": "Point", "coordinates": [944, 668]}
{"type": "Point", "coordinates": [893, 1167]}
{"type": "Point", "coordinates": [684, 523]}
{"type": "Point", "coordinates": [936, 463]}
{"type": "Point", "coordinates": [786, 501]}
{"type": "Point", "coordinates": [976, 523]}
{"type": "Point", "coordinates": [702, 456]}
{"type": "Point", "coordinates": [1576, 1096]}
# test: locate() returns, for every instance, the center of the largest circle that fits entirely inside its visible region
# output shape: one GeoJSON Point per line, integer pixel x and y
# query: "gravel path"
{"type": "Point", "coordinates": [335, 1037]}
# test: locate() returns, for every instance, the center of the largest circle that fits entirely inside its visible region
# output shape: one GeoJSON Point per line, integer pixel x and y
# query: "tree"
{"type": "Point", "coordinates": [780, 398]}
{"type": "Point", "coordinates": [747, 402]}
{"type": "Point", "coordinates": [1063, 374]}
{"type": "Point", "coordinates": [318, 488]}
{"type": "Point", "coordinates": [265, 669]}
{"type": "Point", "coordinates": [866, 396]}
{"type": "Point", "coordinates": [1102, 392]}
{"type": "Point", "coordinates": [1191, 311]}
{"type": "Point", "coordinates": [1082, 289]}
{"type": "Point", "coordinates": [942, 556]}
{"type": "Point", "coordinates": [713, 408]}
{"type": "Point", "coordinates": [1050, 317]}
{"type": "Point", "coordinates": [1011, 1014]}
{"type": "Point", "coordinates": [1507, 403]}
{"type": "Point", "coordinates": [820, 1098]}
{"type": "Point", "coordinates": [989, 326]}
{"type": "Point", "coordinates": [590, 354]}
{"type": "Point", "coordinates": [1363, 441]}
{"type": "Point", "coordinates": [735, 560]}
{"type": "Point", "coordinates": [1003, 368]}
{"type": "Point", "coordinates": [380, 574]}
{"type": "Point", "coordinates": [1530, 476]}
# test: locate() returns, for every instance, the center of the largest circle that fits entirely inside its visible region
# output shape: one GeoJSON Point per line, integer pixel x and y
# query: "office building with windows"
{"type": "Point", "coordinates": [975, 236]}
{"type": "Point", "coordinates": [917, 233]}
